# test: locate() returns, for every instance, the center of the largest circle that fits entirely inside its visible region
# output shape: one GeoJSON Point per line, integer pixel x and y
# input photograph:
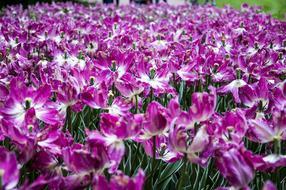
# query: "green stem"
{"type": "Point", "coordinates": [181, 91]}
{"type": "Point", "coordinates": [154, 148]}
{"type": "Point", "coordinates": [154, 167]}
{"type": "Point", "coordinates": [197, 177]}
{"type": "Point", "coordinates": [88, 117]}
{"type": "Point", "coordinates": [277, 146]}
{"type": "Point", "coordinates": [174, 81]}
{"type": "Point", "coordinates": [238, 73]}
{"type": "Point", "coordinates": [136, 104]}
{"type": "Point", "coordinates": [208, 81]}
{"type": "Point", "coordinates": [113, 89]}
{"type": "Point", "coordinates": [69, 120]}
{"type": "Point", "coordinates": [133, 160]}
{"type": "Point", "coordinates": [277, 150]}
{"type": "Point", "coordinates": [199, 87]}
{"type": "Point", "coordinates": [165, 100]}
{"type": "Point", "coordinates": [151, 94]}
{"type": "Point", "coordinates": [184, 174]}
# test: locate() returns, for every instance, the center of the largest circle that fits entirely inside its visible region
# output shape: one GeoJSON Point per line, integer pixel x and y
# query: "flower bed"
{"type": "Point", "coordinates": [153, 97]}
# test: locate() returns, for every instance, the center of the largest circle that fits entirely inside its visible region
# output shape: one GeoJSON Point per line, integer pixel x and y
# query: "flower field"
{"type": "Point", "coordinates": [142, 97]}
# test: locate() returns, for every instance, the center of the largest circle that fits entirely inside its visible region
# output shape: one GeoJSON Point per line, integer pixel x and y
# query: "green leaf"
{"type": "Point", "coordinates": [181, 90]}
{"type": "Point", "coordinates": [169, 171]}
{"type": "Point", "coordinates": [163, 185]}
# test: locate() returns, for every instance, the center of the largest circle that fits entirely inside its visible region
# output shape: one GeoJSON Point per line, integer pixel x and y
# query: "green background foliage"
{"type": "Point", "coordinates": [276, 7]}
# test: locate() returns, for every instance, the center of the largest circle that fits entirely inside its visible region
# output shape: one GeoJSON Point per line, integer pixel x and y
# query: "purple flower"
{"type": "Point", "coordinates": [203, 105]}
{"type": "Point", "coordinates": [174, 109]}
{"type": "Point", "coordinates": [155, 120]}
{"type": "Point", "coordinates": [119, 106]}
{"type": "Point", "coordinates": [187, 73]}
{"type": "Point", "coordinates": [66, 96]}
{"type": "Point", "coordinates": [272, 161]}
{"type": "Point", "coordinates": [73, 181]}
{"type": "Point", "coordinates": [233, 88]}
{"type": "Point", "coordinates": [178, 137]}
{"type": "Point", "coordinates": [264, 131]}
{"type": "Point", "coordinates": [52, 139]}
{"type": "Point", "coordinates": [228, 129]}
{"type": "Point", "coordinates": [22, 99]}
{"type": "Point", "coordinates": [162, 149]}
{"type": "Point", "coordinates": [4, 92]}
{"type": "Point", "coordinates": [78, 159]}
{"type": "Point", "coordinates": [44, 161]}
{"type": "Point", "coordinates": [95, 98]}
{"type": "Point", "coordinates": [199, 146]}
{"type": "Point", "coordinates": [24, 143]}
{"type": "Point", "coordinates": [268, 185]}
{"type": "Point", "coordinates": [279, 96]}
{"type": "Point", "coordinates": [128, 87]}
{"type": "Point", "coordinates": [9, 169]}
{"type": "Point", "coordinates": [120, 182]}
{"type": "Point", "coordinates": [232, 188]}
{"type": "Point", "coordinates": [156, 79]}
{"type": "Point", "coordinates": [257, 93]}
{"type": "Point", "coordinates": [222, 73]}
{"type": "Point", "coordinates": [144, 76]}
{"type": "Point", "coordinates": [261, 131]}
{"type": "Point", "coordinates": [122, 127]}
{"type": "Point", "coordinates": [111, 144]}
{"type": "Point", "coordinates": [235, 166]}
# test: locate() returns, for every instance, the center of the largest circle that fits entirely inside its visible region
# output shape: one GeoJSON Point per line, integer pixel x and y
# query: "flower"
{"type": "Point", "coordinates": [22, 99]}
{"type": "Point", "coordinates": [155, 122]}
{"type": "Point", "coordinates": [110, 143]}
{"type": "Point", "coordinates": [78, 159]}
{"type": "Point", "coordinates": [264, 131]}
{"type": "Point", "coordinates": [233, 87]}
{"type": "Point", "coordinates": [268, 185]}
{"type": "Point", "coordinates": [89, 95]}
{"type": "Point", "coordinates": [235, 166]}
{"type": "Point", "coordinates": [203, 105]}
{"type": "Point", "coordinates": [120, 182]}
{"type": "Point", "coordinates": [9, 169]}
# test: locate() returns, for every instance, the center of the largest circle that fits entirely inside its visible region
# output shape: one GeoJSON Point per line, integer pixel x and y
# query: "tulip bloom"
{"type": "Point", "coordinates": [22, 99]}
{"type": "Point", "coordinates": [9, 169]}
{"type": "Point", "coordinates": [235, 166]}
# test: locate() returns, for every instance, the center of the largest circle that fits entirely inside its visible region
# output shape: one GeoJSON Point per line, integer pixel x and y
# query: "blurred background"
{"type": "Point", "coordinates": [275, 7]}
